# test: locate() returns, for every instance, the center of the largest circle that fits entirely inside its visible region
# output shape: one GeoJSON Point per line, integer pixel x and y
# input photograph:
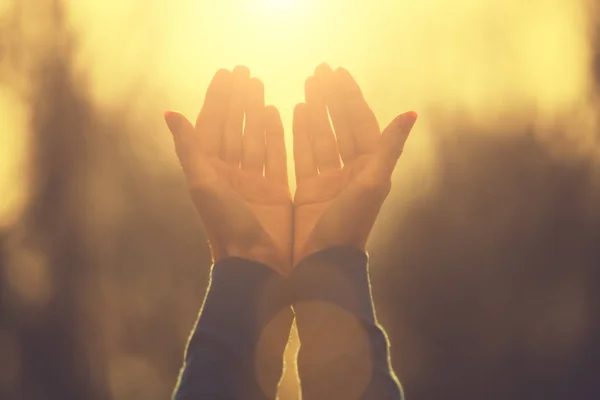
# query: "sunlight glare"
{"type": "Point", "coordinates": [484, 59]}
{"type": "Point", "coordinates": [277, 6]}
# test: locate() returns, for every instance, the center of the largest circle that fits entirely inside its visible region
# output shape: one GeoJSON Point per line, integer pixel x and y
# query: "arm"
{"type": "Point", "coordinates": [235, 351]}
{"type": "Point", "coordinates": [237, 176]}
{"type": "Point", "coordinates": [344, 352]}
{"type": "Point", "coordinates": [343, 175]}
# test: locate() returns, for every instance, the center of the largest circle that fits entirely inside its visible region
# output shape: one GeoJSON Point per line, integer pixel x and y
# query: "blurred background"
{"type": "Point", "coordinates": [485, 261]}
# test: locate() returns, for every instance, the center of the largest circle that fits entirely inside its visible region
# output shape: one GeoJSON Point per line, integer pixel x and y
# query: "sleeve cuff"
{"type": "Point", "coordinates": [236, 348]}
{"type": "Point", "coordinates": [344, 353]}
{"type": "Point", "coordinates": [338, 276]}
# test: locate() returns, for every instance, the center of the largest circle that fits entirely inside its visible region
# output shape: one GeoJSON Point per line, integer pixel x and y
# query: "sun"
{"type": "Point", "coordinates": [277, 6]}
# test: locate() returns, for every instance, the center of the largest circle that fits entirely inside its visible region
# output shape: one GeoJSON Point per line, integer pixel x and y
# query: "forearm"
{"type": "Point", "coordinates": [344, 352]}
{"type": "Point", "coordinates": [236, 348]}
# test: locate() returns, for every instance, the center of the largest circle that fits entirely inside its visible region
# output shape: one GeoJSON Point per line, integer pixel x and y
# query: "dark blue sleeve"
{"type": "Point", "coordinates": [236, 348]}
{"type": "Point", "coordinates": [344, 352]}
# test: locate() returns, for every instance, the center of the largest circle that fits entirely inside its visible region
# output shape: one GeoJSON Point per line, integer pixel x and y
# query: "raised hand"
{"type": "Point", "coordinates": [237, 172]}
{"type": "Point", "coordinates": [337, 204]}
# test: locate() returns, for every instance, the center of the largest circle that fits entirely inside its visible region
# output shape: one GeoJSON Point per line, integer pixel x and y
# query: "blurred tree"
{"type": "Point", "coordinates": [491, 290]}
{"type": "Point", "coordinates": [53, 361]}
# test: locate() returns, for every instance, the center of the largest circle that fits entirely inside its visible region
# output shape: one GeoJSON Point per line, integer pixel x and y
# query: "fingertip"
{"type": "Point", "coordinates": [222, 73]}
{"type": "Point", "coordinates": [254, 94]}
{"type": "Point", "coordinates": [272, 116]}
{"type": "Point", "coordinates": [406, 121]}
{"type": "Point", "coordinates": [299, 109]}
{"type": "Point", "coordinates": [342, 72]}
{"type": "Point", "coordinates": [271, 110]}
{"type": "Point", "coordinates": [222, 78]}
{"type": "Point", "coordinates": [412, 115]}
{"type": "Point", "coordinates": [177, 122]}
{"type": "Point", "coordinates": [410, 120]}
{"type": "Point", "coordinates": [300, 119]}
{"type": "Point", "coordinates": [256, 84]}
{"type": "Point", "coordinates": [342, 79]}
{"type": "Point", "coordinates": [313, 89]}
{"type": "Point", "coordinates": [324, 73]}
{"type": "Point", "coordinates": [323, 69]}
{"type": "Point", "coordinates": [172, 119]}
{"type": "Point", "coordinates": [241, 71]}
{"type": "Point", "coordinates": [220, 85]}
{"type": "Point", "coordinates": [309, 83]}
{"type": "Point", "coordinates": [397, 132]}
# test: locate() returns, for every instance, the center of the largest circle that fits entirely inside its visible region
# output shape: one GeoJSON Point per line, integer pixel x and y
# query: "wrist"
{"type": "Point", "coordinates": [264, 254]}
{"type": "Point", "coordinates": [309, 251]}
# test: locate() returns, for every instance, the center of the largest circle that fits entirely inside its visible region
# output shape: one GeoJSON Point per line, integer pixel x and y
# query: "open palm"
{"type": "Point", "coordinates": [337, 204]}
{"type": "Point", "coordinates": [237, 172]}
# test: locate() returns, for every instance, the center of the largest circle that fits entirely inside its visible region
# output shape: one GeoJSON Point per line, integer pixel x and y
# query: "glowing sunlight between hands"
{"type": "Point", "coordinates": [279, 6]}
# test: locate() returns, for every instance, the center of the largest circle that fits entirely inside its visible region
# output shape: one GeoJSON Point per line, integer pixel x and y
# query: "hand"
{"type": "Point", "coordinates": [246, 213]}
{"type": "Point", "coordinates": [337, 205]}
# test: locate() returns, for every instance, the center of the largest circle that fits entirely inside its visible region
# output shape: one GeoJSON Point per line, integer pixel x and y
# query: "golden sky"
{"type": "Point", "coordinates": [484, 60]}
{"type": "Point", "coordinates": [490, 62]}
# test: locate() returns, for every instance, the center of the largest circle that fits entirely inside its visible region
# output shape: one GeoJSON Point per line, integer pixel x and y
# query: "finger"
{"type": "Point", "coordinates": [303, 153]}
{"type": "Point", "coordinates": [323, 140]}
{"type": "Point", "coordinates": [361, 119]}
{"type": "Point", "coordinates": [184, 137]}
{"type": "Point", "coordinates": [231, 147]}
{"type": "Point", "coordinates": [339, 119]}
{"type": "Point", "coordinates": [212, 116]}
{"type": "Point", "coordinates": [393, 138]}
{"type": "Point", "coordinates": [253, 142]}
{"type": "Point", "coordinates": [276, 163]}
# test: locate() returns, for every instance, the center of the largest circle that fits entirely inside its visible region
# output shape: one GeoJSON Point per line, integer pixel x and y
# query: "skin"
{"type": "Point", "coordinates": [237, 176]}
{"type": "Point", "coordinates": [236, 172]}
{"type": "Point", "coordinates": [343, 172]}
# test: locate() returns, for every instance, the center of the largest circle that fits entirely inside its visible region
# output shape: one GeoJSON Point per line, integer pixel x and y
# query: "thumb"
{"type": "Point", "coordinates": [182, 131]}
{"type": "Point", "coordinates": [395, 134]}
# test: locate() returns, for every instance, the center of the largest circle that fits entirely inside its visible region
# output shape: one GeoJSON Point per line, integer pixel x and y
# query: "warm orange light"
{"type": "Point", "coordinates": [278, 6]}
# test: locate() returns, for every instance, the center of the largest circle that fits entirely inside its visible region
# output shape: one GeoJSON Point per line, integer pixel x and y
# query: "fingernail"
{"type": "Point", "coordinates": [171, 120]}
{"type": "Point", "coordinates": [323, 69]}
{"type": "Point", "coordinates": [413, 114]}
{"type": "Point", "coordinates": [407, 120]}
